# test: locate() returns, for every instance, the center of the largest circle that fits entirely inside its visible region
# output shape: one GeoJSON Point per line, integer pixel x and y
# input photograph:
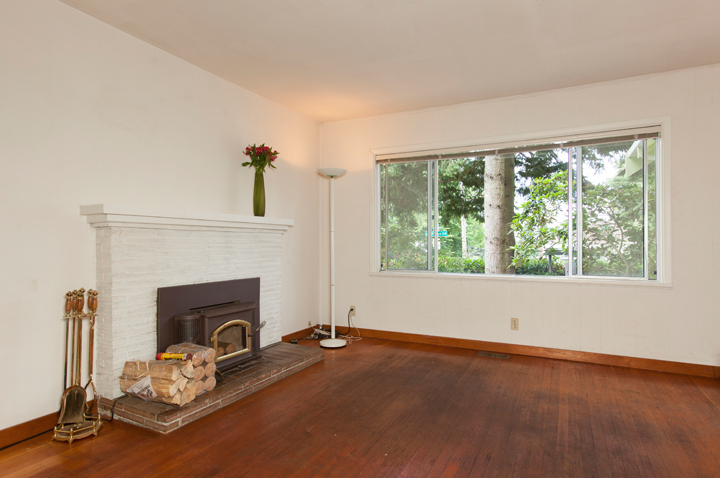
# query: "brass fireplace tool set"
{"type": "Point", "coordinates": [75, 420]}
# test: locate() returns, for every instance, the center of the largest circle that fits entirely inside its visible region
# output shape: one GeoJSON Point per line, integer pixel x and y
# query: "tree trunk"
{"type": "Point", "coordinates": [509, 191]}
{"type": "Point", "coordinates": [499, 209]}
{"type": "Point", "coordinates": [463, 228]}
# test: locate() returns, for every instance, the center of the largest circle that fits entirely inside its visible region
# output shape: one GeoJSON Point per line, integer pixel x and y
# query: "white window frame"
{"type": "Point", "coordinates": [663, 210]}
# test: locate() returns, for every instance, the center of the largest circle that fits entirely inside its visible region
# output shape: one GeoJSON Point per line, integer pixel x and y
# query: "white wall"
{"type": "Point", "coordinates": [677, 323]}
{"type": "Point", "coordinates": [91, 115]}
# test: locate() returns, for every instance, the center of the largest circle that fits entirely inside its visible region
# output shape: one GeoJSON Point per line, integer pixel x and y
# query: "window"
{"type": "Point", "coordinates": [581, 206]}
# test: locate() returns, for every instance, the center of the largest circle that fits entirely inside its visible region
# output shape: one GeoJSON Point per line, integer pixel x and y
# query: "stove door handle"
{"type": "Point", "coordinates": [262, 324]}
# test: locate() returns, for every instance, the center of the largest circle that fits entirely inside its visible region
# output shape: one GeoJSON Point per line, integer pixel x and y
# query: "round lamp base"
{"type": "Point", "coordinates": [333, 343]}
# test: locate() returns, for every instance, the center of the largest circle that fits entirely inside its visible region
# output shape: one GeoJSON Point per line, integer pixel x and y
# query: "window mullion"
{"type": "Point", "coordinates": [646, 227]}
{"type": "Point", "coordinates": [430, 236]}
{"type": "Point", "coordinates": [659, 211]}
{"type": "Point", "coordinates": [387, 214]}
{"type": "Point", "coordinates": [436, 209]}
{"type": "Point", "coordinates": [579, 210]}
{"type": "Point", "coordinates": [570, 213]}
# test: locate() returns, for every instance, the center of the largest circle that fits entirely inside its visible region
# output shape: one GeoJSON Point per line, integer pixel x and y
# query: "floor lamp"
{"type": "Point", "coordinates": [332, 342]}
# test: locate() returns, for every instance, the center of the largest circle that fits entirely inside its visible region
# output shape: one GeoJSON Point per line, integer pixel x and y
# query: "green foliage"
{"type": "Point", "coordinates": [461, 185]}
{"type": "Point", "coordinates": [535, 267]}
{"type": "Point", "coordinates": [540, 267]}
{"type": "Point", "coordinates": [406, 216]}
{"type": "Point", "coordinates": [533, 165]}
{"type": "Point", "coordinates": [462, 181]}
{"type": "Point", "coordinates": [612, 216]}
{"type": "Point", "coordinates": [613, 227]}
{"type": "Point", "coordinates": [536, 226]}
{"type": "Point", "coordinates": [458, 264]}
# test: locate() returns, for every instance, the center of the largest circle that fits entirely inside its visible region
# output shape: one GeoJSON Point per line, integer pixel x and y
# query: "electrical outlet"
{"type": "Point", "coordinates": [352, 311]}
{"type": "Point", "coordinates": [514, 324]}
{"type": "Point", "coordinates": [309, 324]}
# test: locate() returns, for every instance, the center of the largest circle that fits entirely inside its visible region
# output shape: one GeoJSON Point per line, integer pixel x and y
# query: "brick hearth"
{"type": "Point", "coordinates": [277, 362]}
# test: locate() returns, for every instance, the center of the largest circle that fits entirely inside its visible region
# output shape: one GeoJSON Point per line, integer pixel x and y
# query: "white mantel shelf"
{"type": "Point", "coordinates": [108, 215]}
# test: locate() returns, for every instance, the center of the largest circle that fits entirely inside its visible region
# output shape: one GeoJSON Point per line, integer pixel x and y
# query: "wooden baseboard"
{"type": "Point", "coordinates": [297, 335]}
{"type": "Point", "coordinates": [23, 431]}
{"type": "Point", "coordinates": [544, 352]}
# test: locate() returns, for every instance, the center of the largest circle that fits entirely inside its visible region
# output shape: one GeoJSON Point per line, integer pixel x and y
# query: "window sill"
{"type": "Point", "coordinates": [519, 278]}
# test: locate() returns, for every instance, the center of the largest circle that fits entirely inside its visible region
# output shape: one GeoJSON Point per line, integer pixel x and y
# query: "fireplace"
{"type": "Point", "coordinates": [224, 315]}
{"type": "Point", "coordinates": [140, 249]}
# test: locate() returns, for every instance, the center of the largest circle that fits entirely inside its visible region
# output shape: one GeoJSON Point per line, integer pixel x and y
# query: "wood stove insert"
{"type": "Point", "coordinates": [213, 314]}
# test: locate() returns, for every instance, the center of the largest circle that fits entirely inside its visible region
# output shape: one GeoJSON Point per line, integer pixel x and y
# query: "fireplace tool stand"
{"type": "Point", "coordinates": [75, 421]}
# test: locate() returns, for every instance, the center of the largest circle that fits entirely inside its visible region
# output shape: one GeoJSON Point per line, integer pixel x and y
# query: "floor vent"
{"type": "Point", "coordinates": [493, 355]}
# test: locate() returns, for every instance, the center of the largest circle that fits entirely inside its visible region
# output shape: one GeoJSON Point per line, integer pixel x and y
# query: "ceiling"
{"type": "Point", "coordinates": [338, 59]}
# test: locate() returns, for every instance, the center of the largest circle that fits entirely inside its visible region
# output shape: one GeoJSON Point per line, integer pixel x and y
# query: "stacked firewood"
{"type": "Point", "coordinates": [174, 382]}
{"type": "Point", "coordinates": [203, 359]}
{"type": "Point", "coordinates": [167, 381]}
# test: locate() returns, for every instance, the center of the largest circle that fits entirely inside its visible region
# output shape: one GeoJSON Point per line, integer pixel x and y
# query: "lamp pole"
{"type": "Point", "coordinates": [332, 342]}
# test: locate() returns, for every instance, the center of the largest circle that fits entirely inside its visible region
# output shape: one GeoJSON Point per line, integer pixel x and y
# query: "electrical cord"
{"type": "Point", "coordinates": [350, 338]}
{"type": "Point", "coordinates": [112, 410]}
{"type": "Point", "coordinates": [313, 336]}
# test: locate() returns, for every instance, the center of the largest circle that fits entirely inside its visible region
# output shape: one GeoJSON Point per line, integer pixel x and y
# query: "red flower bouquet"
{"type": "Point", "coordinates": [260, 157]}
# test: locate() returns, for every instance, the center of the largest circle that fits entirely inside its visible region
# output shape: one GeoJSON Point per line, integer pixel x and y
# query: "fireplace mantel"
{"type": "Point", "coordinates": [139, 250]}
{"type": "Point", "coordinates": [106, 215]}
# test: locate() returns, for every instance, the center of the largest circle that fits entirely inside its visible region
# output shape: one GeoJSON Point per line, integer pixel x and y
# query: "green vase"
{"type": "Point", "coordinates": [259, 194]}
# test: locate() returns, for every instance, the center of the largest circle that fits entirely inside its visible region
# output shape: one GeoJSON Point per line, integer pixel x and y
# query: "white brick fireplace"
{"type": "Point", "coordinates": [139, 250]}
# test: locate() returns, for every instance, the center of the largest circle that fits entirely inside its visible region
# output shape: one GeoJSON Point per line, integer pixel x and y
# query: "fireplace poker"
{"type": "Point", "coordinates": [92, 309]}
{"type": "Point", "coordinates": [73, 308]}
{"type": "Point", "coordinates": [68, 309]}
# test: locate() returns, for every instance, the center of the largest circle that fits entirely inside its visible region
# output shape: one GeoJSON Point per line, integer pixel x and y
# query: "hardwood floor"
{"type": "Point", "coordinates": [379, 408]}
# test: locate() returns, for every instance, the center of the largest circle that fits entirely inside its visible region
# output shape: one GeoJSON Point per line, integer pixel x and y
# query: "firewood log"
{"type": "Point", "coordinates": [191, 397]}
{"type": "Point", "coordinates": [188, 370]}
{"type": "Point", "coordinates": [174, 400]}
{"type": "Point", "coordinates": [200, 353]}
{"type": "Point", "coordinates": [220, 351]}
{"type": "Point", "coordinates": [199, 387]}
{"type": "Point", "coordinates": [210, 369]}
{"type": "Point", "coordinates": [186, 348]}
{"type": "Point", "coordinates": [163, 388]}
{"type": "Point", "coordinates": [186, 396]}
{"type": "Point", "coordinates": [210, 383]}
{"type": "Point", "coordinates": [199, 373]}
{"type": "Point", "coordinates": [183, 383]}
{"type": "Point", "coordinates": [229, 347]}
{"type": "Point", "coordinates": [160, 369]}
